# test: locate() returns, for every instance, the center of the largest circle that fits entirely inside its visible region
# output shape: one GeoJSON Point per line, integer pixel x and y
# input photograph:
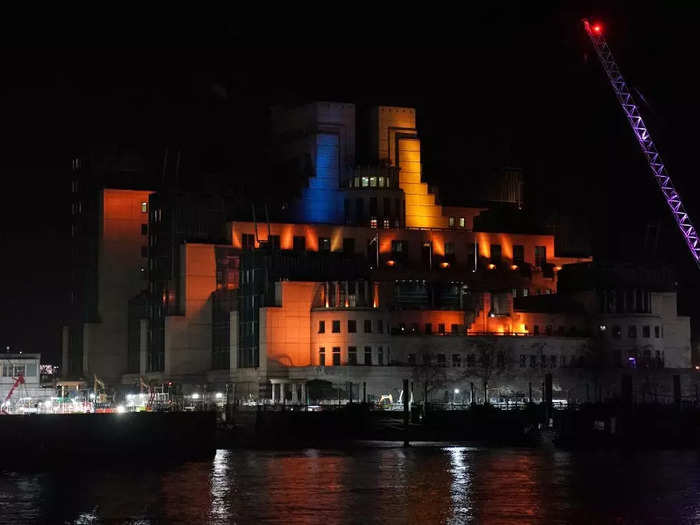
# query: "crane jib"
{"type": "Point", "coordinates": [629, 107]}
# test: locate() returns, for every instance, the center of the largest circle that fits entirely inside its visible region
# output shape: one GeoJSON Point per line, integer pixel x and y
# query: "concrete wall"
{"type": "Point", "coordinates": [188, 344]}
{"type": "Point", "coordinates": [121, 276]}
{"type": "Point", "coordinates": [675, 330]}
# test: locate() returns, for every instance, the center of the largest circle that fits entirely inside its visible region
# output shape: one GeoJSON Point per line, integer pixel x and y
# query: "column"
{"type": "Point", "coordinates": [294, 393]}
{"type": "Point", "coordinates": [303, 394]}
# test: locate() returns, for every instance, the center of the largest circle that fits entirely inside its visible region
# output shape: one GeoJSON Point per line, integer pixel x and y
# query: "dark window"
{"type": "Point", "coordinates": [553, 361]}
{"type": "Point", "coordinates": [471, 255]}
{"type": "Point", "coordinates": [299, 243]}
{"type": "Point", "coordinates": [496, 253]}
{"type": "Point", "coordinates": [347, 212]}
{"type": "Point", "coordinates": [386, 210]}
{"type": "Point", "coordinates": [352, 326]}
{"type": "Point", "coordinates": [471, 360]}
{"type": "Point", "coordinates": [427, 359]}
{"type": "Point", "coordinates": [274, 241]}
{"type": "Point", "coordinates": [536, 329]}
{"type": "Point", "coordinates": [540, 256]}
{"type": "Point", "coordinates": [561, 330]}
{"type": "Point", "coordinates": [380, 356]}
{"type": "Point", "coordinates": [373, 206]}
{"type": "Point", "coordinates": [352, 355]}
{"type": "Point", "coordinates": [399, 247]}
{"type": "Point", "coordinates": [248, 241]}
{"type": "Point", "coordinates": [455, 329]}
{"type": "Point", "coordinates": [441, 328]}
{"type": "Point", "coordinates": [656, 331]}
{"type": "Point", "coordinates": [518, 254]}
{"type": "Point", "coordinates": [500, 360]}
{"type": "Point", "coordinates": [617, 332]}
{"type": "Point", "coordinates": [322, 356]}
{"type": "Point", "coordinates": [523, 361]}
{"type": "Point", "coordinates": [359, 210]}
{"type": "Point", "coordinates": [456, 360]}
{"type": "Point", "coordinates": [428, 328]}
{"type": "Point", "coordinates": [441, 360]}
{"type": "Point", "coordinates": [144, 229]}
{"type": "Point", "coordinates": [646, 331]}
{"type": "Point", "coordinates": [368, 326]}
{"type": "Point", "coordinates": [336, 327]}
{"type": "Point", "coordinates": [368, 355]}
{"type": "Point", "coordinates": [632, 331]}
{"type": "Point", "coordinates": [450, 251]}
{"type": "Point", "coordinates": [412, 359]}
{"type": "Point", "coordinates": [324, 244]}
{"type": "Point", "coordinates": [548, 329]}
{"type": "Point", "coordinates": [336, 356]}
{"type": "Point", "coordinates": [380, 326]}
{"type": "Point", "coordinates": [533, 361]}
{"type": "Point", "coordinates": [322, 327]}
{"type": "Point", "coordinates": [349, 246]}
{"type": "Point", "coordinates": [144, 251]}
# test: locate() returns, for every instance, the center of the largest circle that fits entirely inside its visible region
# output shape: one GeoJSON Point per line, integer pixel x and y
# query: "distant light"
{"type": "Point", "coordinates": [697, 367]}
{"type": "Point", "coordinates": [219, 395]}
{"type": "Point", "coordinates": [92, 395]}
{"type": "Point", "coordinates": [603, 328]}
{"type": "Point", "coordinates": [129, 397]}
{"type": "Point", "coordinates": [514, 267]}
{"type": "Point", "coordinates": [391, 262]}
{"type": "Point", "coordinates": [121, 409]}
{"type": "Point", "coordinates": [456, 390]}
{"type": "Point", "coordinates": [491, 266]}
{"type": "Point", "coordinates": [557, 268]}
{"type": "Point", "coordinates": [597, 29]}
{"type": "Point", "coordinates": [195, 396]}
{"type": "Point", "coordinates": [444, 264]}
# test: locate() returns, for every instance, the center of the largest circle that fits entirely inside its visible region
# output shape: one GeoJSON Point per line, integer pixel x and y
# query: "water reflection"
{"type": "Point", "coordinates": [379, 485]}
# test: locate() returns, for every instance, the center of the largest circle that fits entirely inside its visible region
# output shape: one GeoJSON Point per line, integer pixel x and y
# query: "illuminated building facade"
{"type": "Point", "coordinates": [363, 278]}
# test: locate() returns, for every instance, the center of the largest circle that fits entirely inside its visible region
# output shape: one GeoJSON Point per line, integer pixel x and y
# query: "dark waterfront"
{"type": "Point", "coordinates": [427, 484]}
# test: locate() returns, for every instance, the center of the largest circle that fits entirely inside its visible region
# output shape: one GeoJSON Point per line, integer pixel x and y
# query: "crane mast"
{"type": "Point", "coordinates": [595, 33]}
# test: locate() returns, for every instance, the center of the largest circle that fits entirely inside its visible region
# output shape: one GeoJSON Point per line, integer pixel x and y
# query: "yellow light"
{"type": "Point", "coordinates": [557, 268]}
{"type": "Point", "coordinates": [444, 264]}
{"type": "Point", "coordinates": [391, 262]}
{"type": "Point", "coordinates": [514, 267]}
{"type": "Point", "coordinates": [491, 266]}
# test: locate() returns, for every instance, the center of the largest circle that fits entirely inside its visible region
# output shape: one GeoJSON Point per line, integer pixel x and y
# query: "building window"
{"type": "Point", "coordinates": [349, 246]}
{"type": "Point", "coordinates": [412, 359]}
{"type": "Point", "coordinates": [617, 332]}
{"type": "Point", "coordinates": [518, 254]}
{"type": "Point", "coordinates": [540, 256]}
{"type": "Point", "coordinates": [428, 328]}
{"type": "Point", "coordinates": [441, 361]}
{"type": "Point", "coordinates": [144, 251]}
{"type": "Point", "coordinates": [299, 243]}
{"type": "Point", "coordinates": [336, 327]}
{"type": "Point", "coordinates": [324, 244]}
{"type": "Point", "coordinates": [496, 253]}
{"type": "Point", "coordinates": [450, 251]}
{"type": "Point", "coordinates": [322, 327]}
{"type": "Point", "coordinates": [365, 182]}
{"type": "Point", "coordinates": [441, 328]}
{"type": "Point", "coordinates": [144, 229]}
{"type": "Point", "coordinates": [455, 329]}
{"type": "Point", "coordinates": [373, 222]}
{"type": "Point", "coordinates": [248, 241]}
{"type": "Point", "coordinates": [274, 241]}
{"type": "Point", "coordinates": [523, 361]}
{"type": "Point", "coordinates": [646, 331]}
{"type": "Point", "coordinates": [451, 222]}
{"type": "Point", "coordinates": [548, 329]}
{"type": "Point", "coordinates": [144, 207]}
{"type": "Point", "coordinates": [352, 355]}
{"type": "Point", "coordinates": [657, 332]}
{"type": "Point", "coordinates": [552, 361]}
{"type": "Point", "coordinates": [368, 326]}
{"type": "Point", "coordinates": [322, 356]}
{"type": "Point", "coordinates": [380, 326]}
{"type": "Point", "coordinates": [368, 355]}
{"type": "Point", "coordinates": [385, 223]}
{"type": "Point", "coordinates": [632, 331]}
{"type": "Point", "coordinates": [461, 222]}
{"type": "Point", "coordinates": [352, 326]}
{"type": "Point", "coordinates": [533, 361]}
{"type": "Point", "coordinates": [399, 248]}
{"type": "Point", "coordinates": [336, 356]}
{"type": "Point", "coordinates": [380, 356]}
{"type": "Point", "coordinates": [457, 360]}
{"type": "Point", "coordinates": [471, 360]}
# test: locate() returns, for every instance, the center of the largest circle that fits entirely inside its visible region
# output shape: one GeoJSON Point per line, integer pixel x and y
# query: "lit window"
{"type": "Point", "coordinates": [144, 207]}
{"type": "Point", "coordinates": [381, 182]}
{"type": "Point", "coordinates": [373, 182]}
{"type": "Point", "coordinates": [451, 222]}
{"type": "Point", "coordinates": [373, 222]}
{"type": "Point", "coordinates": [365, 182]}
{"type": "Point", "coordinates": [386, 223]}
{"type": "Point", "coordinates": [461, 222]}
{"type": "Point", "coordinates": [357, 182]}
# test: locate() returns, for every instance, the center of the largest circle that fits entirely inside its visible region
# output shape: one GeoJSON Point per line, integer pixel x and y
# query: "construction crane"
{"type": "Point", "coordinates": [629, 107]}
{"type": "Point", "coordinates": [19, 380]}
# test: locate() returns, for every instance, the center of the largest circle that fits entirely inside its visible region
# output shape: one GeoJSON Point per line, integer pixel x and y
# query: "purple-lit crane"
{"type": "Point", "coordinates": [595, 33]}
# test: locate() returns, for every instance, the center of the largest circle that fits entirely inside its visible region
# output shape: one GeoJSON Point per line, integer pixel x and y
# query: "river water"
{"type": "Point", "coordinates": [379, 483]}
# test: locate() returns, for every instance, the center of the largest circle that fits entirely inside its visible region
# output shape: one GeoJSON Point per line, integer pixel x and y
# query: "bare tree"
{"type": "Point", "coordinates": [490, 362]}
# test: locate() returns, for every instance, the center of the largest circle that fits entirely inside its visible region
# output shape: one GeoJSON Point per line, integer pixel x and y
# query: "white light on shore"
{"type": "Point", "coordinates": [121, 409]}
{"type": "Point", "coordinates": [219, 395]}
{"type": "Point", "coordinates": [195, 396]}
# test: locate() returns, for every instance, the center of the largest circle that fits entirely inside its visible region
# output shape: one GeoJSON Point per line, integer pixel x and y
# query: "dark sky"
{"type": "Point", "coordinates": [510, 85]}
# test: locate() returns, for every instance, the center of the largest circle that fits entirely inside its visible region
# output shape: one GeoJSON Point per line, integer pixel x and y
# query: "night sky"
{"type": "Point", "coordinates": [511, 86]}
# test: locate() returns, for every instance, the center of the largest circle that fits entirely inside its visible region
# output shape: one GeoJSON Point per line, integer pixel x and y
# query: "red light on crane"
{"type": "Point", "coordinates": [597, 29]}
